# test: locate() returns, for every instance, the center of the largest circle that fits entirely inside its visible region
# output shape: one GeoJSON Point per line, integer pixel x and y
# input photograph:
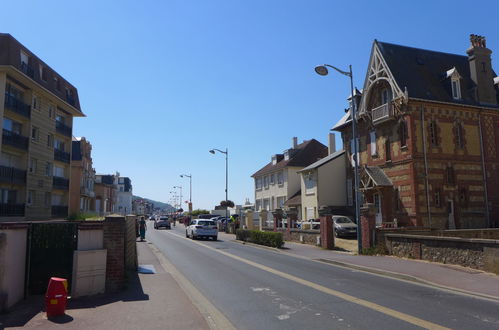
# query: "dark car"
{"type": "Point", "coordinates": [162, 222]}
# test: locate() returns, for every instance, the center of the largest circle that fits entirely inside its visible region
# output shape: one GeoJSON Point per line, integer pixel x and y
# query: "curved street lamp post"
{"type": "Point", "coordinates": [226, 152]}
{"type": "Point", "coordinates": [190, 189]}
{"type": "Point", "coordinates": [323, 71]}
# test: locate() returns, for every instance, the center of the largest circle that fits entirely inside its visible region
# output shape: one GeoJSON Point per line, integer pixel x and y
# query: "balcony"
{"type": "Point", "coordinates": [63, 129]}
{"type": "Point", "coordinates": [62, 156]}
{"type": "Point", "coordinates": [18, 106]}
{"type": "Point", "coordinates": [16, 140]}
{"type": "Point", "coordinates": [87, 192]}
{"type": "Point", "coordinates": [28, 70]}
{"type": "Point", "coordinates": [59, 211]}
{"type": "Point", "coordinates": [12, 175]}
{"type": "Point", "coordinates": [60, 183]}
{"type": "Point", "coordinates": [11, 210]}
{"type": "Point", "coordinates": [382, 113]}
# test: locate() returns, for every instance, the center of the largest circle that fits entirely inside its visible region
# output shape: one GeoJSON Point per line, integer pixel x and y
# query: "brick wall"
{"type": "Point", "coordinates": [130, 243]}
{"type": "Point", "coordinates": [114, 242]}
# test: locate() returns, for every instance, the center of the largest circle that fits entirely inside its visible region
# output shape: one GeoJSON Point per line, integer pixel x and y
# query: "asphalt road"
{"type": "Point", "coordinates": [258, 288]}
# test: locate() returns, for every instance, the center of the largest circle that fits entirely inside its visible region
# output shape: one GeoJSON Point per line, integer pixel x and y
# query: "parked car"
{"type": "Point", "coordinates": [202, 228]}
{"type": "Point", "coordinates": [162, 222]}
{"type": "Point", "coordinates": [344, 226]}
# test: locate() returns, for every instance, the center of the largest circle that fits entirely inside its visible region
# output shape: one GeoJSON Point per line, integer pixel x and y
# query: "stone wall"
{"type": "Point", "coordinates": [311, 237]}
{"type": "Point", "coordinates": [482, 254]}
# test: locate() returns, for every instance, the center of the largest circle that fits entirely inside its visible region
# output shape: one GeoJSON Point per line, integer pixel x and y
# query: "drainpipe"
{"type": "Point", "coordinates": [426, 184]}
{"type": "Point", "coordinates": [486, 195]}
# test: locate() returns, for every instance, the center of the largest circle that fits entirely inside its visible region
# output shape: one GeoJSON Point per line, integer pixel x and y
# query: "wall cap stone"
{"type": "Point", "coordinates": [440, 238]}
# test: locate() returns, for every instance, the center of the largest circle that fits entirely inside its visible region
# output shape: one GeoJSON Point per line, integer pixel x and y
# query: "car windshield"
{"type": "Point", "coordinates": [206, 223]}
{"type": "Point", "coordinates": [343, 220]}
{"type": "Point", "coordinates": [163, 218]}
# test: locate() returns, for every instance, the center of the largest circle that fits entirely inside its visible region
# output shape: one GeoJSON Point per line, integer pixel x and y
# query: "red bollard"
{"type": "Point", "coordinates": [56, 296]}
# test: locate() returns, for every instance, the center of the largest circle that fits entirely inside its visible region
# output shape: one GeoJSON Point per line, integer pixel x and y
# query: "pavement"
{"type": "Point", "coordinates": [150, 301]}
{"type": "Point", "coordinates": [451, 277]}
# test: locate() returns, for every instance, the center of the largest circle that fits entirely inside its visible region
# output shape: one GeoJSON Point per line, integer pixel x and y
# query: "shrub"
{"type": "Point", "coordinates": [266, 238]}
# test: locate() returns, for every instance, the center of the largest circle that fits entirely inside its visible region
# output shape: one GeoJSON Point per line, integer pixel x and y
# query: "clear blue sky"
{"type": "Point", "coordinates": [162, 82]}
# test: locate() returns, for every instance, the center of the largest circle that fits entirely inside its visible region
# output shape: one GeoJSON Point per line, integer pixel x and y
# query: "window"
{"type": "Point", "coordinates": [459, 130]}
{"type": "Point", "coordinates": [385, 96]}
{"type": "Point", "coordinates": [388, 150]}
{"type": "Point", "coordinates": [372, 137]}
{"type": "Point", "coordinates": [258, 204]}
{"type": "Point", "coordinates": [266, 204]}
{"type": "Point", "coordinates": [48, 169]}
{"type": "Point", "coordinates": [286, 155]}
{"type": "Point", "coordinates": [9, 160]}
{"type": "Point", "coordinates": [24, 59]}
{"type": "Point", "coordinates": [272, 179]}
{"type": "Point", "coordinates": [59, 171]}
{"type": "Point", "coordinates": [450, 175]}
{"type": "Point", "coordinates": [48, 198]}
{"type": "Point", "coordinates": [12, 126]}
{"type": "Point", "coordinates": [456, 88]}
{"type": "Point", "coordinates": [403, 133]}
{"type": "Point", "coordinates": [43, 72]}
{"type": "Point", "coordinates": [36, 102]}
{"type": "Point", "coordinates": [31, 197]}
{"type": "Point", "coordinates": [433, 133]}
{"type": "Point", "coordinates": [57, 84]}
{"type": "Point", "coordinates": [266, 182]}
{"type": "Point", "coordinates": [258, 183]}
{"type": "Point", "coordinates": [437, 198]}
{"type": "Point", "coordinates": [32, 165]}
{"type": "Point", "coordinates": [280, 178]}
{"type": "Point", "coordinates": [59, 145]}
{"type": "Point", "coordinates": [8, 196]}
{"type": "Point", "coordinates": [50, 140]}
{"type": "Point", "coordinates": [463, 197]}
{"type": "Point", "coordinates": [280, 202]}
{"type": "Point", "coordinates": [34, 133]}
{"type": "Point", "coordinates": [51, 111]}
{"type": "Point", "coordinates": [310, 183]}
{"type": "Point", "coordinates": [60, 118]}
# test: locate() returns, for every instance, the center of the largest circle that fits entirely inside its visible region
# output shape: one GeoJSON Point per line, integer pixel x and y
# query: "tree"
{"type": "Point", "coordinates": [228, 203]}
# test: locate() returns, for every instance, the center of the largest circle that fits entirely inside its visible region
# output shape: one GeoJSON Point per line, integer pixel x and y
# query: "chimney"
{"type": "Point", "coordinates": [331, 144]}
{"type": "Point", "coordinates": [295, 142]}
{"type": "Point", "coordinates": [481, 70]}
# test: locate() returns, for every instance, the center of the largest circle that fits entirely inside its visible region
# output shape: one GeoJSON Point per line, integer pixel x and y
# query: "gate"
{"type": "Point", "coordinates": [50, 253]}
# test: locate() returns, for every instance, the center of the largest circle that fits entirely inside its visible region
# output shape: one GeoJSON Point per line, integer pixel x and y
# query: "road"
{"type": "Point", "coordinates": [258, 288]}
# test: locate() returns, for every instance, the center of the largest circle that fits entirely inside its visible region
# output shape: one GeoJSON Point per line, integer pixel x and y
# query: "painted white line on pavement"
{"type": "Point", "coordinates": [384, 310]}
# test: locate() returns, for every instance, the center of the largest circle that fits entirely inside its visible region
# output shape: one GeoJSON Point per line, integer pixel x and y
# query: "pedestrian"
{"type": "Point", "coordinates": [142, 229]}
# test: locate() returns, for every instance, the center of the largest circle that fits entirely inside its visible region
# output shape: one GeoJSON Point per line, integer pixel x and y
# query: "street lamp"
{"type": "Point", "coordinates": [226, 152]}
{"type": "Point", "coordinates": [323, 71]}
{"type": "Point", "coordinates": [180, 197]}
{"type": "Point", "coordinates": [190, 189]}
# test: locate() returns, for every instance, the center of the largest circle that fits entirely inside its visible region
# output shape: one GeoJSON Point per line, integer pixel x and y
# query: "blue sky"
{"type": "Point", "coordinates": [163, 82]}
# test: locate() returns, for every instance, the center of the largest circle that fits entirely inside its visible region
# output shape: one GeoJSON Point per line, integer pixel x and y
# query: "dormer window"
{"type": "Point", "coordinates": [385, 96]}
{"type": "Point", "coordinates": [274, 159]}
{"type": "Point", "coordinates": [286, 155]}
{"type": "Point", "coordinates": [455, 81]}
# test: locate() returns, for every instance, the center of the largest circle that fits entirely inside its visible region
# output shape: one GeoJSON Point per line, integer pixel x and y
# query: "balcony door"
{"type": "Point", "coordinates": [377, 205]}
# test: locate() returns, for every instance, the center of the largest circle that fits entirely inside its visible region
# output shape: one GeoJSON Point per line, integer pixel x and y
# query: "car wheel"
{"type": "Point", "coordinates": [215, 238]}
{"type": "Point", "coordinates": [193, 236]}
{"type": "Point", "coordinates": [186, 235]}
{"type": "Point", "coordinates": [336, 233]}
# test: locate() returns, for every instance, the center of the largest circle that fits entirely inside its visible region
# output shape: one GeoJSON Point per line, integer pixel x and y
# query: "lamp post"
{"type": "Point", "coordinates": [323, 71]}
{"type": "Point", "coordinates": [180, 196]}
{"type": "Point", "coordinates": [190, 189]}
{"type": "Point", "coordinates": [226, 152]}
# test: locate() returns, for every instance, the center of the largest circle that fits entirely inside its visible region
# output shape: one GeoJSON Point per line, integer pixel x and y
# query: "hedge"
{"type": "Point", "coordinates": [266, 238]}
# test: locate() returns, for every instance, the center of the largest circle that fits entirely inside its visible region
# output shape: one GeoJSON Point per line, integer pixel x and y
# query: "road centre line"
{"type": "Point", "coordinates": [384, 310]}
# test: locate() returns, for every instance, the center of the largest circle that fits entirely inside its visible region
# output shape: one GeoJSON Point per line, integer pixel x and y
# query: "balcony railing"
{"type": "Point", "coordinates": [12, 175]}
{"type": "Point", "coordinates": [87, 192]}
{"type": "Point", "coordinates": [63, 129]}
{"type": "Point", "coordinates": [382, 113]}
{"type": "Point", "coordinates": [28, 70]}
{"type": "Point", "coordinates": [11, 210]}
{"type": "Point", "coordinates": [60, 183]}
{"type": "Point", "coordinates": [16, 105]}
{"type": "Point", "coordinates": [16, 140]}
{"type": "Point", "coordinates": [61, 156]}
{"type": "Point", "coordinates": [59, 211]}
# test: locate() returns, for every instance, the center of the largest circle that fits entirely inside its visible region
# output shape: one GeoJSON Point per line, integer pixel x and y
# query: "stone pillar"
{"type": "Point", "coordinates": [277, 213]}
{"type": "Point", "coordinates": [368, 225]}
{"type": "Point", "coordinates": [249, 219]}
{"type": "Point", "coordinates": [263, 219]}
{"type": "Point", "coordinates": [114, 242]}
{"type": "Point", "coordinates": [131, 261]}
{"type": "Point", "coordinates": [327, 232]}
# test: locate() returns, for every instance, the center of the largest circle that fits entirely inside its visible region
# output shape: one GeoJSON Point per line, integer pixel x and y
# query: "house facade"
{"type": "Point", "coordinates": [82, 195]}
{"type": "Point", "coordinates": [37, 107]}
{"type": "Point", "coordinates": [124, 194]}
{"type": "Point", "coordinates": [428, 142]}
{"type": "Point", "coordinates": [105, 194]}
{"type": "Point", "coordinates": [278, 181]}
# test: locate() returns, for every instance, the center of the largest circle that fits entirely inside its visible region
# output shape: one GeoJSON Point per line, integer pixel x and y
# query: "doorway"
{"type": "Point", "coordinates": [377, 205]}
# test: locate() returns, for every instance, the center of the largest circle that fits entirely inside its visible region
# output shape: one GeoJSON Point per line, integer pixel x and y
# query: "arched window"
{"type": "Point", "coordinates": [403, 133]}
{"type": "Point", "coordinates": [459, 131]}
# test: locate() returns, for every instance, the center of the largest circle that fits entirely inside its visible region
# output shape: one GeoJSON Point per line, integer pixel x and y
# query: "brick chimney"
{"type": "Point", "coordinates": [295, 142]}
{"type": "Point", "coordinates": [481, 70]}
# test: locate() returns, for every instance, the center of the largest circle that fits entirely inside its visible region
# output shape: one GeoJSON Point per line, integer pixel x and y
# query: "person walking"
{"type": "Point", "coordinates": [142, 228]}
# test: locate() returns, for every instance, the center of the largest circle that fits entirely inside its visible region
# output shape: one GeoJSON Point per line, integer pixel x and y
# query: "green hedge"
{"type": "Point", "coordinates": [266, 238]}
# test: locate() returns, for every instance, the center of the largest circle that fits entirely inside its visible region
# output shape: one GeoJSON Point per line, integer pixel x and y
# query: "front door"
{"type": "Point", "coordinates": [450, 212]}
{"type": "Point", "coordinates": [377, 205]}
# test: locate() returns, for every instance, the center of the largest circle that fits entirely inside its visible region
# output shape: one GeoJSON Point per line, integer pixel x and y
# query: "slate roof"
{"type": "Point", "coordinates": [323, 161]}
{"type": "Point", "coordinates": [423, 72]}
{"type": "Point", "coordinates": [294, 200]}
{"type": "Point", "coordinates": [305, 154]}
{"type": "Point", "coordinates": [378, 176]}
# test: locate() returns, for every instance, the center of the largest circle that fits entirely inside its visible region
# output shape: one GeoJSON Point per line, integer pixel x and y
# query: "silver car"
{"type": "Point", "coordinates": [202, 228]}
{"type": "Point", "coordinates": [344, 227]}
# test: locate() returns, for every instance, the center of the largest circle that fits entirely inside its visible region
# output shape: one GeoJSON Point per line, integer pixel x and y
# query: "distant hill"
{"type": "Point", "coordinates": [157, 204]}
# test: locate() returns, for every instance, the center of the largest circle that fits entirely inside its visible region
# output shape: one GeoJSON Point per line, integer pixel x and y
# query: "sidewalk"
{"type": "Point", "coordinates": [452, 277]}
{"type": "Point", "coordinates": [151, 301]}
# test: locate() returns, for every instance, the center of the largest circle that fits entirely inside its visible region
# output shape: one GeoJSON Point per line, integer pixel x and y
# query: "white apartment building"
{"type": "Point", "coordinates": [278, 181]}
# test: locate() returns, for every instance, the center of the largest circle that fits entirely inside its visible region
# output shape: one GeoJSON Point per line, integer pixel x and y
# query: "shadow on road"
{"type": "Point", "coordinates": [27, 309]}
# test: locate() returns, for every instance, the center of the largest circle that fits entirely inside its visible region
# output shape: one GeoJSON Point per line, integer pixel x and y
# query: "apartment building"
{"type": "Point", "coordinates": [427, 136]}
{"type": "Point", "coordinates": [124, 197]}
{"type": "Point", "coordinates": [82, 195]}
{"type": "Point", "coordinates": [105, 194]}
{"type": "Point", "coordinates": [279, 181]}
{"type": "Point", "coordinates": [37, 107]}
